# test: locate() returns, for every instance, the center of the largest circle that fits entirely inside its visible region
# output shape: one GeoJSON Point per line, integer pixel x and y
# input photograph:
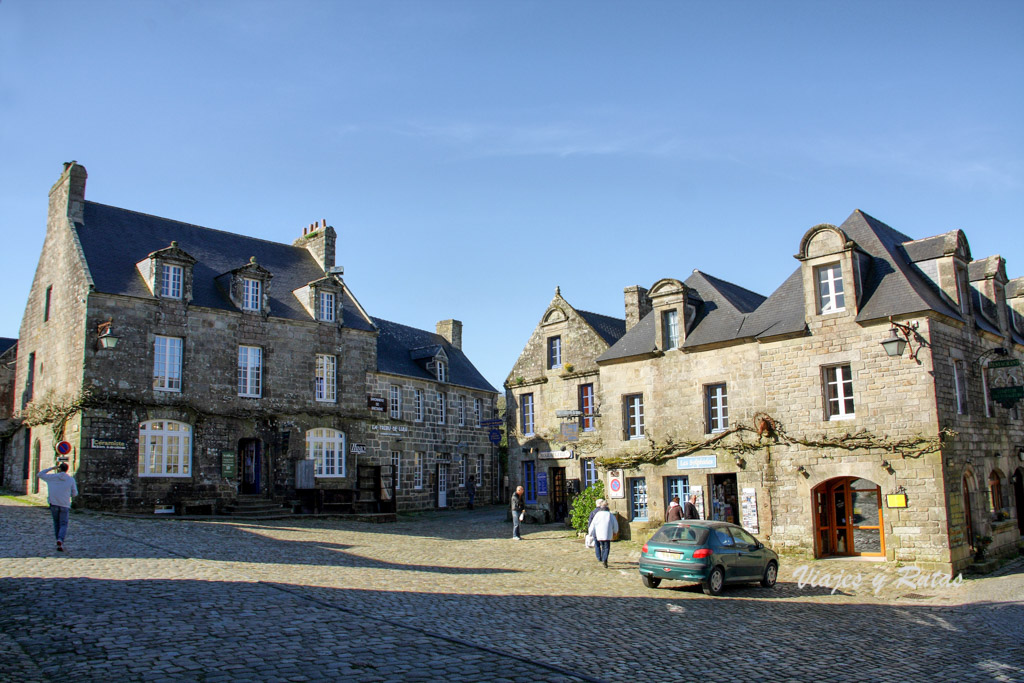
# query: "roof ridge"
{"type": "Point", "coordinates": [194, 225]}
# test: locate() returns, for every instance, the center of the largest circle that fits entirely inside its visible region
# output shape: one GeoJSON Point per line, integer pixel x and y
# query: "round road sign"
{"type": "Point", "coordinates": [63, 448]}
{"type": "Point", "coordinates": [494, 436]}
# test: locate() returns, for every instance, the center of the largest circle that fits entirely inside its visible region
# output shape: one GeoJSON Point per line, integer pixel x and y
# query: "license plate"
{"type": "Point", "coordinates": [665, 555]}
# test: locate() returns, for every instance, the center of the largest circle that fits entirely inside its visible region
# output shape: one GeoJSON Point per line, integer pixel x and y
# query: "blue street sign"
{"type": "Point", "coordinates": [494, 436]}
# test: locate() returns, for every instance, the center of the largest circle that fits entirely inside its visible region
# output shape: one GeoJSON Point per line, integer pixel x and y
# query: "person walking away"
{"type": "Point", "coordinates": [690, 511]}
{"type": "Point", "coordinates": [518, 512]}
{"type": "Point", "coordinates": [470, 492]}
{"type": "Point", "coordinates": [598, 504]}
{"type": "Point", "coordinates": [60, 488]}
{"type": "Point", "coordinates": [675, 512]}
{"type": "Point", "coordinates": [604, 527]}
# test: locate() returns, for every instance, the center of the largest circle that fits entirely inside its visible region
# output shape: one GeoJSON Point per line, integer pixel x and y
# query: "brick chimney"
{"type": "Point", "coordinates": [637, 305]}
{"type": "Point", "coordinates": [452, 331]}
{"type": "Point", "coordinates": [67, 196]}
{"type": "Point", "coordinates": [320, 240]}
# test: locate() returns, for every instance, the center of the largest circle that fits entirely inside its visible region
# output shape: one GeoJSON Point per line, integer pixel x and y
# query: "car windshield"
{"type": "Point", "coordinates": [683, 534]}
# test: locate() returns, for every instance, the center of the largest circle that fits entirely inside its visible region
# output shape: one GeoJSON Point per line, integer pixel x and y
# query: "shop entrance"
{"type": "Point", "coordinates": [848, 518]}
{"type": "Point", "coordinates": [725, 500]}
{"type": "Point", "coordinates": [559, 501]}
{"type": "Point", "coordinates": [1018, 495]}
{"type": "Point", "coordinates": [250, 457]}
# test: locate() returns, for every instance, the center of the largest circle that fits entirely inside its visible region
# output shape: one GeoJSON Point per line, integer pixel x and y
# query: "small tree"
{"type": "Point", "coordinates": [583, 505]}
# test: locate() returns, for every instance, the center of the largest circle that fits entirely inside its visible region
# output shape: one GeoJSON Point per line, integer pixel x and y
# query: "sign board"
{"type": "Point", "coordinates": [896, 500]}
{"type": "Point", "coordinates": [616, 489]}
{"type": "Point", "coordinates": [568, 413]}
{"type": "Point", "coordinates": [63, 448]}
{"type": "Point", "coordinates": [495, 422]}
{"type": "Point", "coordinates": [542, 483]}
{"type": "Point", "coordinates": [1007, 396]}
{"type": "Point", "coordinates": [357, 449]}
{"type": "Point", "coordinates": [389, 428]}
{"type": "Point", "coordinates": [748, 508]}
{"type": "Point", "coordinates": [555, 455]}
{"type": "Point", "coordinates": [494, 436]}
{"type": "Point", "coordinates": [228, 464]}
{"type": "Point", "coordinates": [1012, 363]}
{"type": "Point", "coordinates": [697, 462]}
{"type": "Point", "coordinates": [570, 431]}
{"type": "Point", "coordinates": [376, 404]}
{"type": "Point", "coordinates": [699, 492]}
{"type": "Point", "coordinates": [107, 444]}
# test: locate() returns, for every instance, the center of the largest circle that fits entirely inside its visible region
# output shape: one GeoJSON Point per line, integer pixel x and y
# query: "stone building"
{"type": "Point", "coordinates": [190, 368]}
{"type": "Point", "coordinates": [553, 393]}
{"type": "Point", "coordinates": [8, 359]}
{"type": "Point", "coordinates": [787, 414]}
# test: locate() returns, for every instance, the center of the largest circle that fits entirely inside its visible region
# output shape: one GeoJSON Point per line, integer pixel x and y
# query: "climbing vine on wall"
{"type": "Point", "coordinates": [765, 432]}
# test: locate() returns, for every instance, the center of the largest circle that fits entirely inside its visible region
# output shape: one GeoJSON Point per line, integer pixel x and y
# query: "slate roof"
{"type": "Point", "coordinates": [931, 248]}
{"type": "Point", "coordinates": [114, 240]}
{"type": "Point", "coordinates": [610, 329]}
{"type": "Point", "coordinates": [891, 286]}
{"type": "Point", "coordinates": [399, 347]}
{"type": "Point", "coordinates": [6, 343]}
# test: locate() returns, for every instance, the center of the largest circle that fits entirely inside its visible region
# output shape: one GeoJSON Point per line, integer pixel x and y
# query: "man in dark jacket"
{"type": "Point", "coordinates": [675, 512]}
{"type": "Point", "coordinates": [518, 508]}
{"type": "Point", "coordinates": [690, 511]}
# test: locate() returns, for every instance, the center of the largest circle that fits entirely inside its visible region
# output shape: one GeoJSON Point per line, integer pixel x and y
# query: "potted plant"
{"type": "Point", "coordinates": [981, 544]}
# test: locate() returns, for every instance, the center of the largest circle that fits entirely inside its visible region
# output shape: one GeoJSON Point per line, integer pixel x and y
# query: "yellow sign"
{"type": "Point", "coordinates": [896, 500]}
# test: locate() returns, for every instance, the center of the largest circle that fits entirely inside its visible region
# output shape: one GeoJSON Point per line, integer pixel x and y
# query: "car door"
{"type": "Point", "coordinates": [725, 551]}
{"type": "Point", "coordinates": [750, 555]}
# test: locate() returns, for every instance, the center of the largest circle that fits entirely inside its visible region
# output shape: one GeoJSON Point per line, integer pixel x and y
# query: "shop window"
{"type": "Point", "coordinates": [326, 447]}
{"type": "Point", "coordinates": [165, 449]}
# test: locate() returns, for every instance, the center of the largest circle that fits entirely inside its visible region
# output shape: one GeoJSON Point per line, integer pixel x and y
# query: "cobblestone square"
{"type": "Point", "coordinates": [448, 596]}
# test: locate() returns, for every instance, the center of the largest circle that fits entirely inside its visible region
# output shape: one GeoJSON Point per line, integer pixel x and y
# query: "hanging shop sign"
{"type": "Point", "coordinates": [570, 431]}
{"type": "Point", "coordinates": [697, 462]}
{"type": "Point", "coordinates": [1006, 389]}
{"type": "Point", "coordinates": [357, 449]}
{"type": "Point", "coordinates": [376, 404]}
{"type": "Point", "coordinates": [494, 436]}
{"type": "Point", "coordinates": [748, 510]}
{"type": "Point", "coordinates": [615, 486]}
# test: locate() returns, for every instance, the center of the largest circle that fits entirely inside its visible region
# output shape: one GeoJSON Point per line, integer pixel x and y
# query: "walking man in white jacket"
{"type": "Point", "coordinates": [603, 528]}
{"type": "Point", "coordinates": [60, 488]}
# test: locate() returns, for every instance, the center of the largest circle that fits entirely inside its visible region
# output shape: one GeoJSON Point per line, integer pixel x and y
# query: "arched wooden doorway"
{"type": "Point", "coordinates": [848, 518]}
{"type": "Point", "coordinates": [968, 521]}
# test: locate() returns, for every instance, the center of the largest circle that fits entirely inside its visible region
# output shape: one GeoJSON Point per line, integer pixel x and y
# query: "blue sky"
{"type": "Point", "coordinates": [475, 155]}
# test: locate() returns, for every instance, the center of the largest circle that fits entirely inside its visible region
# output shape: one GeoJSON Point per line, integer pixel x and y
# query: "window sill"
{"type": "Point", "coordinates": [840, 418]}
{"type": "Point", "coordinates": [328, 476]}
{"type": "Point", "coordinates": [167, 391]}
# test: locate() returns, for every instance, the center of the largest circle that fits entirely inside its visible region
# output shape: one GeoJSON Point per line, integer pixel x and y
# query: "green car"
{"type": "Point", "coordinates": [709, 553]}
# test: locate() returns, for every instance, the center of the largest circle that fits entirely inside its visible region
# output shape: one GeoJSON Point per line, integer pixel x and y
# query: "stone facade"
{"type": "Point", "coordinates": [810, 364]}
{"type": "Point", "coordinates": [261, 380]}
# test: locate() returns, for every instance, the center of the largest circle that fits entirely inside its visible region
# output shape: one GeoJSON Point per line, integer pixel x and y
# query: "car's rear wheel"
{"type": "Point", "coordinates": [715, 582]}
{"type": "Point", "coordinates": [771, 575]}
{"type": "Point", "coordinates": [651, 581]}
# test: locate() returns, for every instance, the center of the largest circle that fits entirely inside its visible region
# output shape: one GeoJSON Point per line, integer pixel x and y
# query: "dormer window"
{"type": "Point", "coordinates": [830, 288]}
{"type": "Point", "coordinates": [962, 290]}
{"type": "Point", "coordinates": [325, 307]}
{"type": "Point", "coordinates": [442, 371]}
{"type": "Point", "coordinates": [670, 329]}
{"type": "Point", "coordinates": [170, 281]}
{"type": "Point", "coordinates": [251, 291]}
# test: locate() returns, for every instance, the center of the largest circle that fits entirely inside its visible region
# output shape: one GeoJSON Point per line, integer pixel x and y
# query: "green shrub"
{"type": "Point", "coordinates": [583, 505]}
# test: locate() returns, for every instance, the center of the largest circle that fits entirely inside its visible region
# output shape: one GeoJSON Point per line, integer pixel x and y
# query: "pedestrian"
{"type": "Point", "coordinates": [470, 492]}
{"type": "Point", "coordinates": [675, 512]}
{"type": "Point", "coordinates": [60, 488]}
{"type": "Point", "coordinates": [603, 528]}
{"type": "Point", "coordinates": [598, 504]}
{"type": "Point", "coordinates": [690, 511]}
{"type": "Point", "coordinates": [518, 513]}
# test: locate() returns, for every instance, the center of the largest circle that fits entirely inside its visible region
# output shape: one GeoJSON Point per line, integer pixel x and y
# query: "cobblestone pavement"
{"type": "Point", "coordinates": [450, 596]}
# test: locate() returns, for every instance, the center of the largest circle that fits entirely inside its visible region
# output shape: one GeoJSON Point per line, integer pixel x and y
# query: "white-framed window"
{"type": "Point", "coordinates": [325, 307]}
{"type": "Point", "coordinates": [670, 329]}
{"type": "Point", "coordinates": [526, 414]}
{"type": "Point", "coordinates": [634, 413]}
{"type": "Point", "coordinates": [250, 368]}
{"type": "Point", "coordinates": [838, 392]}
{"type": "Point", "coordinates": [167, 363]}
{"type": "Point", "coordinates": [588, 409]}
{"type": "Point", "coordinates": [395, 402]}
{"type": "Point", "coordinates": [418, 400]}
{"type": "Point", "coordinates": [960, 386]}
{"type": "Point", "coordinates": [554, 352]}
{"type": "Point", "coordinates": [589, 471]}
{"type": "Point", "coordinates": [251, 294]}
{"type": "Point", "coordinates": [326, 447]}
{"type": "Point", "coordinates": [417, 470]}
{"type": "Point", "coordinates": [442, 408]}
{"type": "Point", "coordinates": [716, 403]}
{"type": "Point", "coordinates": [326, 378]}
{"type": "Point", "coordinates": [396, 468]}
{"type": "Point", "coordinates": [830, 288]}
{"type": "Point", "coordinates": [170, 281]}
{"type": "Point", "coordinates": [478, 411]}
{"type": "Point", "coordinates": [462, 411]}
{"type": "Point", "coordinates": [463, 466]}
{"type": "Point", "coordinates": [442, 371]}
{"type": "Point", "coordinates": [165, 449]}
{"type": "Point", "coordinates": [479, 470]}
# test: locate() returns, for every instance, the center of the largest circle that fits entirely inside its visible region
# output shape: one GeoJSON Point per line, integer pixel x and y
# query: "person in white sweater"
{"type": "Point", "coordinates": [603, 528]}
{"type": "Point", "coordinates": [60, 488]}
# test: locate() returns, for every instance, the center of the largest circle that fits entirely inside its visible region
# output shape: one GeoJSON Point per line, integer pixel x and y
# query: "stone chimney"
{"type": "Point", "coordinates": [67, 196]}
{"type": "Point", "coordinates": [320, 240]}
{"type": "Point", "coordinates": [452, 331]}
{"type": "Point", "coordinates": [637, 305]}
